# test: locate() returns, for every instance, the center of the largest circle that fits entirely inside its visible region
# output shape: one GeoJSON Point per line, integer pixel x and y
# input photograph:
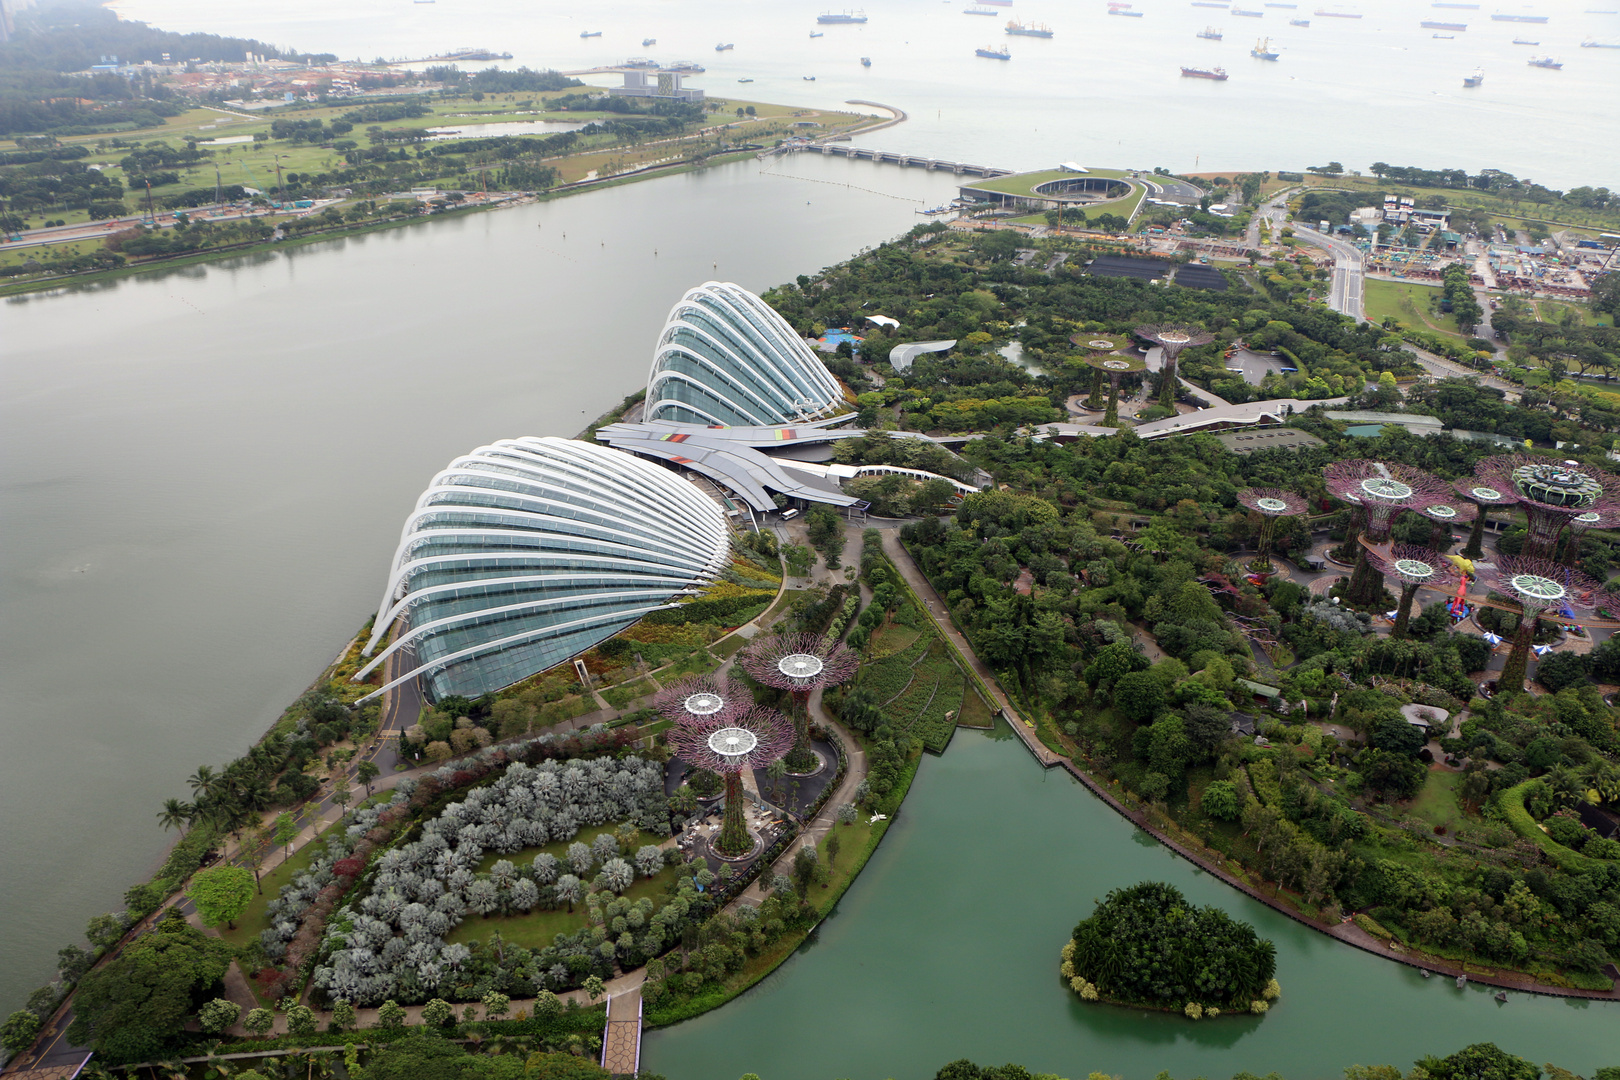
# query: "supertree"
{"type": "Point", "coordinates": [1113, 367]}
{"type": "Point", "coordinates": [1382, 491]}
{"type": "Point", "coordinates": [1172, 338]}
{"type": "Point", "coordinates": [1550, 492]}
{"type": "Point", "coordinates": [1446, 513]}
{"type": "Point", "coordinates": [1271, 504]}
{"type": "Point", "coordinates": [1537, 584]}
{"type": "Point", "coordinates": [727, 741]}
{"type": "Point", "coordinates": [1417, 568]}
{"type": "Point", "coordinates": [800, 663]}
{"type": "Point", "coordinates": [1482, 496]}
{"type": "Point", "coordinates": [1098, 346]}
{"type": "Point", "coordinates": [1578, 525]}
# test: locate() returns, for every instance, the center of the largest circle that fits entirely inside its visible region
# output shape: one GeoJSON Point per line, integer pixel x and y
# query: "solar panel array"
{"type": "Point", "coordinates": [1199, 276]}
{"type": "Point", "coordinates": [1125, 267]}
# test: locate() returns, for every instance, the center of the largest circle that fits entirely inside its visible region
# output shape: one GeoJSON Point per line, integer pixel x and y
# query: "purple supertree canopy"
{"type": "Point", "coordinates": [1538, 585]}
{"type": "Point", "coordinates": [1483, 494]}
{"type": "Point", "coordinates": [730, 743]}
{"type": "Point", "coordinates": [1449, 510]}
{"type": "Point", "coordinates": [1273, 502]}
{"type": "Point", "coordinates": [1383, 489]}
{"type": "Point", "coordinates": [1115, 366]}
{"type": "Point", "coordinates": [1174, 337]}
{"type": "Point", "coordinates": [798, 662]}
{"type": "Point", "coordinates": [1415, 565]}
{"type": "Point", "coordinates": [699, 696]}
{"type": "Point", "coordinates": [1551, 493]}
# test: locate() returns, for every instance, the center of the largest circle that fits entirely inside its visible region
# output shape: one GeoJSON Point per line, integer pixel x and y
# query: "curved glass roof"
{"type": "Point", "coordinates": [524, 553]}
{"type": "Point", "coordinates": [726, 357]}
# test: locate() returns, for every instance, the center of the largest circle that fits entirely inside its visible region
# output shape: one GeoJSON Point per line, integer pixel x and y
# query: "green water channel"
{"type": "Point", "coordinates": [947, 947]}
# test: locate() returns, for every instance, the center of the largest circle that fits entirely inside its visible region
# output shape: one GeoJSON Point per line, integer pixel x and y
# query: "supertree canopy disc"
{"type": "Point", "coordinates": [1272, 502]}
{"type": "Point", "coordinates": [1174, 337]}
{"type": "Point", "coordinates": [698, 696]}
{"type": "Point", "coordinates": [1449, 511]}
{"type": "Point", "coordinates": [1115, 366]}
{"type": "Point", "coordinates": [1415, 568]}
{"type": "Point", "coordinates": [1383, 490]}
{"type": "Point", "coordinates": [730, 741]}
{"type": "Point", "coordinates": [798, 662]}
{"type": "Point", "coordinates": [1551, 493]}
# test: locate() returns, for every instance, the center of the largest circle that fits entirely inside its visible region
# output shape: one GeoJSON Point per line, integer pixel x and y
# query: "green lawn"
{"type": "Point", "coordinates": [1407, 302]}
{"type": "Point", "coordinates": [1436, 802]}
{"type": "Point", "coordinates": [537, 929]}
{"type": "Point", "coordinates": [976, 712]}
{"type": "Point", "coordinates": [559, 848]}
{"type": "Point", "coordinates": [254, 920]}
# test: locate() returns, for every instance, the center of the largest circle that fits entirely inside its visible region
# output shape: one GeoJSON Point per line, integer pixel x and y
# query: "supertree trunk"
{"type": "Point", "coordinates": [1111, 416]}
{"type": "Point", "coordinates": [1404, 615]}
{"type": "Point", "coordinates": [1366, 584]}
{"type": "Point", "coordinates": [1476, 536]}
{"type": "Point", "coordinates": [1096, 399]}
{"type": "Point", "coordinates": [1518, 661]}
{"type": "Point", "coordinates": [1262, 562]}
{"type": "Point", "coordinates": [734, 838]}
{"type": "Point", "coordinates": [1167, 386]}
{"type": "Point", "coordinates": [1440, 538]}
{"type": "Point", "coordinates": [801, 759]}
{"type": "Point", "coordinates": [1358, 519]}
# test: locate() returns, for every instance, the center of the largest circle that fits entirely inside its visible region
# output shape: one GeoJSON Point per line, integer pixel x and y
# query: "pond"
{"type": "Point", "coordinates": [947, 947]}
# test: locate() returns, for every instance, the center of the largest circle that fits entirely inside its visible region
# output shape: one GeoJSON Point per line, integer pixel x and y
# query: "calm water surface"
{"type": "Point", "coordinates": [947, 947]}
{"type": "Point", "coordinates": [203, 472]}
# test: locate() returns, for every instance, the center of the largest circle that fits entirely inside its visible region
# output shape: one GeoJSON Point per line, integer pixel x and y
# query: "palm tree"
{"type": "Point", "coordinates": [176, 815]}
{"type": "Point", "coordinates": [204, 783]}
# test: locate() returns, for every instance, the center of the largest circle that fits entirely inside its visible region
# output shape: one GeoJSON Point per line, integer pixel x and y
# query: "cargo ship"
{"type": "Point", "coordinates": [1127, 14]}
{"type": "Point", "coordinates": [841, 17]}
{"type": "Point", "coordinates": [1546, 62]}
{"type": "Point", "coordinates": [1018, 29]}
{"type": "Point", "coordinates": [724, 47]}
{"type": "Point", "coordinates": [1522, 41]}
{"type": "Point", "coordinates": [1247, 14]}
{"type": "Point", "coordinates": [590, 33]}
{"type": "Point", "coordinates": [1299, 22]}
{"type": "Point", "coordinates": [1218, 73]}
{"type": "Point", "coordinates": [980, 11]}
{"type": "Point", "coordinates": [866, 61]}
{"type": "Point", "coordinates": [1283, 5]}
{"type": "Point", "coordinates": [1591, 44]}
{"type": "Point", "coordinates": [646, 41]}
{"type": "Point", "coordinates": [1499, 17]}
{"type": "Point", "coordinates": [997, 3]}
{"type": "Point", "coordinates": [1210, 33]}
{"type": "Point", "coordinates": [1326, 14]}
{"type": "Point", "coordinates": [1431, 24]}
{"type": "Point", "coordinates": [1262, 50]}
{"type": "Point", "coordinates": [1209, 3]}
{"type": "Point", "coordinates": [993, 53]}
{"type": "Point", "coordinates": [1475, 79]}
{"type": "Point", "coordinates": [1461, 7]}
{"type": "Point", "coordinates": [691, 67]}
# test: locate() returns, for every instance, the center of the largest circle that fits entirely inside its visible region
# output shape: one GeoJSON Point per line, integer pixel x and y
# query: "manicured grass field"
{"type": "Point", "coordinates": [1408, 303]}
{"type": "Point", "coordinates": [537, 929]}
{"type": "Point", "coordinates": [1436, 802]}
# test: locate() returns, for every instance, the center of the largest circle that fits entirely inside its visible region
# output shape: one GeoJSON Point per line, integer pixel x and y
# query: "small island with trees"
{"type": "Point", "coordinates": [1147, 946]}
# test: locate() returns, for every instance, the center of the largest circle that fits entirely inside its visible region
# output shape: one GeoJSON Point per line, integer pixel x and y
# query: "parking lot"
{"type": "Point", "coordinates": [1254, 365]}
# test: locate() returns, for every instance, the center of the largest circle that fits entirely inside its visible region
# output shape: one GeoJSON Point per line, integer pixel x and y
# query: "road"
{"type": "Point", "coordinates": [100, 230]}
{"type": "Point", "coordinates": [1275, 210]}
{"type": "Point", "coordinates": [1345, 294]}
{"type": "Point", "coordinates": [1163, 187]}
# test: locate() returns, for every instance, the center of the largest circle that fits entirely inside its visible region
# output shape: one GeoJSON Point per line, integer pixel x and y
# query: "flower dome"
{"type": "Point", "coordinates": [527, 552]}
{"type": "Point", "coordinates": [725, 357]}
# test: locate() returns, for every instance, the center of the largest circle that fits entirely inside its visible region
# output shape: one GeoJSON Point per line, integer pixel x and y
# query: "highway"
{"type": "Point", "coordinates": [1345, 294]}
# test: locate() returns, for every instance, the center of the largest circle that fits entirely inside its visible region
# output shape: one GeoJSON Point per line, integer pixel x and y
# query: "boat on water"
{"type": "Point", "coordinates": [809, 78]}
{"type": "Point", "coordinates": [1475, 79]}
{"type": "Point", "coordinates": [866, 61]}
{"type": "Point", "coordinates": [745, 80]}
{"type": "Point", "coordinates": [1262, 50]}
{"type": "Point", "coordinates": [993, 53]}
{"type": "Point", "coordinates": [1462, 7]}
{"type": "Point", "coordinates": [997, 3]}
{"type": "Point", "coordinates": [724, 47]}
{"type": "Point", "coordinates": [1546, 62]}
{"type": "Point", "coordinates": [1210, 33]}
{"type": "Point", "coordinates": [980, 11]}
{"type": "Point", "coordinates": [590, 33]}
{"type": "Point", "coordinates": [1326, 14]}
{"type": "Point", "coordinates": [1589, 43]}
{"type": "Point", "coordinates": [839, 17]}
{"type": "Point", "coordinates": [1435, 24]}
{"type": "Point", "coordinates": [1522, 41]}
{"type": "Point", "coordinates": [817, 33]}
{"type": "Point", "coordinates": [1299, 22]}
{"type": "Point", "coordinates": [690, 66]}
{"type": "Point", "coordinates": [1218, 74]}
{"type": "Point", "coordinates": [1444, 37]}
{"type": "Point", "coordinates": [1502, 17]}
{"type": "Point", "coordinates": [1018, 29]}
{"type": "Point", "coordinates": [1127, 14]}
{"type": "Point", "coordinates": [1209, 3]}
{"type": "Point", "coordinates": [1247, 14]}
{"type": "Point", "coordinates": [646, 41]}
{"type": "Point", "coordinates": [1283, 5]}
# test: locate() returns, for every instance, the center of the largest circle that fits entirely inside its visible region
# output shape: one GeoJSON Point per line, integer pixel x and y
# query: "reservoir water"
{"type": "Point", "coordinates": [947, 946]}
{"type": "Point", "coordinates": [203, 471]}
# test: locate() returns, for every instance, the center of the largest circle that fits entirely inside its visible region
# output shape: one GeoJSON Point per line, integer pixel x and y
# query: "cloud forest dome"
{"type": "Point", "coordinates": [526, 552]}
{"type": "Point", "coordinates": [726, 357]}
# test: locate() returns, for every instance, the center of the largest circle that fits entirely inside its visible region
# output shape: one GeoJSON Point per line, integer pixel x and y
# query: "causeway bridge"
{"type": "Point", "coordinates": [892, 157]}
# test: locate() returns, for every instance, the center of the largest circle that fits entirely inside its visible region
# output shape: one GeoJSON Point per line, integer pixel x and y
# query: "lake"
{"type": "Point", "coordinates": [947, 946]}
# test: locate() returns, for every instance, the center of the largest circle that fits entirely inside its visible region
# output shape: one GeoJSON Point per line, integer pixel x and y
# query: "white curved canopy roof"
{"type": "Point", "coordinates": [526, 552]}
{"type": "Point", "coordinates": [725, 357]}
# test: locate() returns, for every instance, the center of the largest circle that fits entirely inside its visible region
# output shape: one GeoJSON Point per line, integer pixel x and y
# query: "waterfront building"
{"type": "Point", "coordinates": [529, 551]}
{"type": "Point", "coordinates": [660, 85]}
{"type": "Point", "coordinates": [725, 357]}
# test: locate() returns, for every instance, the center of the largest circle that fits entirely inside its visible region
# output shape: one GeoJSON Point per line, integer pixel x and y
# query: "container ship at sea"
{"type": "Point", "coordinates": [1018, 29]}
{"type": "Point", "coordinates": [1499, 17]}
{"type": "Point", "coordinates": [1218, 74]}
{"type": "Point", "coordinates": [1431, 24]}
{"type": "Point", "coordinates": [1326, 14]}
{"type": "Point", "coordinates": [832, 17]}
